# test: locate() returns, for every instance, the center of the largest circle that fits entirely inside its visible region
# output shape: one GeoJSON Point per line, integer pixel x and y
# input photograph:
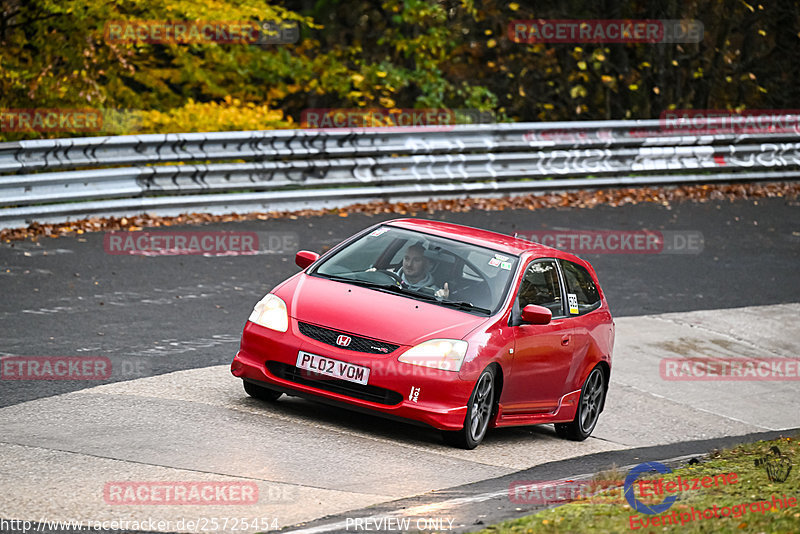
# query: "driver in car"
{"type": "Point", "coordinates": [415, 273]}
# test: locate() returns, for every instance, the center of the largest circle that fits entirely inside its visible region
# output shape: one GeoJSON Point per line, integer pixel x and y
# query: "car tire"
{"type": "Point", "coordinates": [591, 402]}
{"type": "Point", "coordinates": [479, 413]}
{"type": "Point", "coordinates": [260, 392]}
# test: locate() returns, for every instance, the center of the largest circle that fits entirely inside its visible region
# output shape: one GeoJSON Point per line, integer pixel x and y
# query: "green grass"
{"type": "Point", "coordinates": [609, 511]}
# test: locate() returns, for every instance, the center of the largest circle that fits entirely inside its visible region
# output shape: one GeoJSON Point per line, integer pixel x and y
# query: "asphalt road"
{"type": "Point", "coordinates": [67, 296]}
{"type": "Point", "coordinates": [157, 315]}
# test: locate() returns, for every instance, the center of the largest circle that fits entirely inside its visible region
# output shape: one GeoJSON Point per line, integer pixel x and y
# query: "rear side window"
{"type": "Point", "coordinates": [540, 286]}
{"type": "Point", "coordinates": [582, 294]}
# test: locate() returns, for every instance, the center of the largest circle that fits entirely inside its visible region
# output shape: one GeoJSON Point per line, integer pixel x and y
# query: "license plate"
{"type": "Point", "coordinates": [323, 365]}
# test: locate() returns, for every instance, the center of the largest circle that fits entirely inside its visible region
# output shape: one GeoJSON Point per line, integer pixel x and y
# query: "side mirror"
{"type": "Point", "coordinates": [534, 314]}
{"type": "Point", "coordinates": [305, 258]}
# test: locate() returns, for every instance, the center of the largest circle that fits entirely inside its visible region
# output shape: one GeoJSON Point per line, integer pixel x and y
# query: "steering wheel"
{"type": "Point", "coordinates": [370, 275]}
{"type": "Point", "coordinates": [396, 277]}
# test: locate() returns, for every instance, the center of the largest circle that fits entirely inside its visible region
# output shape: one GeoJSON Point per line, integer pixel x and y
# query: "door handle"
{"type": "Point", "coordinates": [565, 340]}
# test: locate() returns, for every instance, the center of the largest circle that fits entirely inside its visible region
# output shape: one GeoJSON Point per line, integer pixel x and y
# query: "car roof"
{"type": "Point", "coordinates": [476, 236]}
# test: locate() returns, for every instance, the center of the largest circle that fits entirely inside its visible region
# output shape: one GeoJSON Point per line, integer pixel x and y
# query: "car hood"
{"type": "Point", "coordinates": [371, 313]}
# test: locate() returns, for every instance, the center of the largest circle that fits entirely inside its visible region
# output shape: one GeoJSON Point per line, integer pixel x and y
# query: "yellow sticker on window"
{"type": "Point", "coordinates": [572, 299]}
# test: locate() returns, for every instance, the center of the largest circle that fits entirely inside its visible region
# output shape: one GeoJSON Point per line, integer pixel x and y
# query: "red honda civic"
{"type": "Point", "coordinates": [449, 326]}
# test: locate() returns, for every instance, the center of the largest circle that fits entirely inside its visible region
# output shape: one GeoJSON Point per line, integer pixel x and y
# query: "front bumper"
{"type": "Point", "coordinates": [430, 396]}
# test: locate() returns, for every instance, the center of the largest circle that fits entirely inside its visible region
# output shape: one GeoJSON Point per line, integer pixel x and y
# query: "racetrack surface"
{"type": "Point", "coordinates": [170, 326]}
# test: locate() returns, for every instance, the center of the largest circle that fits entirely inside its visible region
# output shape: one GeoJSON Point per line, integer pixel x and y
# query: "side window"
{"type": "Point", "coordinates": [580, 284]}
{"type": "Point", "coordinates": [540, 286]}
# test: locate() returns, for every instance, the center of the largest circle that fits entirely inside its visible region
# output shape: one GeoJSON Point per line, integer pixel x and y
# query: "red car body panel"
{"type": "Point", "coordinates": [541, 367]}
{"type": "Point", "coordinates": [386, 317]}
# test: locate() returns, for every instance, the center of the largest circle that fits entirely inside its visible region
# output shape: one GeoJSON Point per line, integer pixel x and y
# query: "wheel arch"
{"type": "Point", "coordinates": [606, 370]}
{"type": "Point", "coordinates": [498, 389]}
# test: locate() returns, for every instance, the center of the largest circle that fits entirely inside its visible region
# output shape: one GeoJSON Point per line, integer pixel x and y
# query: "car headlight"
{"type": "Point", "coordinates": [271, 312]}
{"type": "Point", "coordinates": [444, 354]}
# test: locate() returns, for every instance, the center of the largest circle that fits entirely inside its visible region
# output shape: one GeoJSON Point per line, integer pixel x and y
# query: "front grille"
{"type": "Point", "coordinates": [357, 343]}
{"type": "Point", "coordinates": [334, 385]}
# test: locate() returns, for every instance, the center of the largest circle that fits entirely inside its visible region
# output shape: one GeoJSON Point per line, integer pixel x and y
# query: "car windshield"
{"type": "Point", "coordinates": [445, 272]}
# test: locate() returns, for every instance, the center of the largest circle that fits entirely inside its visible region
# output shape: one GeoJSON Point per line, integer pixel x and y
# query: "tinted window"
{"type": "Point", "coordinates": [540, 286]}
{"type": "Point", "coordinates": [473, 274]}
{"type": "Point", "coordinates": [580, 283]}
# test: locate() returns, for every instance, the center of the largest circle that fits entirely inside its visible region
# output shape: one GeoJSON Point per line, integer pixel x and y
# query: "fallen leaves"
{"type": "Point", "coordinates": [665, 196]}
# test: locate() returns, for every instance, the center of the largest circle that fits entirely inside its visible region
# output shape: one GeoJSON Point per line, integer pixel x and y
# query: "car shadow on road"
{"type": "Point", "coordinates": [511, 447]}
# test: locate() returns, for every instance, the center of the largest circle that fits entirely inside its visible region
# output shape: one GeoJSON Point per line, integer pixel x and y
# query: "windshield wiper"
{"type": "Point", "coordinates": [392, 288]}
{"type": "Point", "coordinates": [464, 305]}
{"type": "Point", "coordinates": [356, 281]}
{"type": "Point", "coordinates": [412, 293]}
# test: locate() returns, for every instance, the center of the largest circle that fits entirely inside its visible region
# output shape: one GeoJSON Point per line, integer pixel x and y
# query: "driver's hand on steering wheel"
{"type": "Point", "coordinates": [443, 293]}
{"type": "Point", "coordinates": [371, 269]}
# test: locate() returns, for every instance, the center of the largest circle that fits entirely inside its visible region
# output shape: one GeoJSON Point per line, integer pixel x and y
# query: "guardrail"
{"type": "Point", "coordinates": [222, 172]}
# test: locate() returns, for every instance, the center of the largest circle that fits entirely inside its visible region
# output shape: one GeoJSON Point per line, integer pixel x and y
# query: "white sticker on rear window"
{"type": "Point", "coordinates": [494, 262]}
{"type": "Point", "coordinates": [501, 257]}
{"type": "Point", "coordinates": [379, 231]}
{"type": "Point", "coordinates": [572, 299]}
{"type": "Point", "coordinates": [506, 265]}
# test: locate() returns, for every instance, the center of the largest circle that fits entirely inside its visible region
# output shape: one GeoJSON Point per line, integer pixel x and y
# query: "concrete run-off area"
{"type": "Point", "coordinates": [60, 454]}
{"type": "Point", "coordinates": [170, 438]}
